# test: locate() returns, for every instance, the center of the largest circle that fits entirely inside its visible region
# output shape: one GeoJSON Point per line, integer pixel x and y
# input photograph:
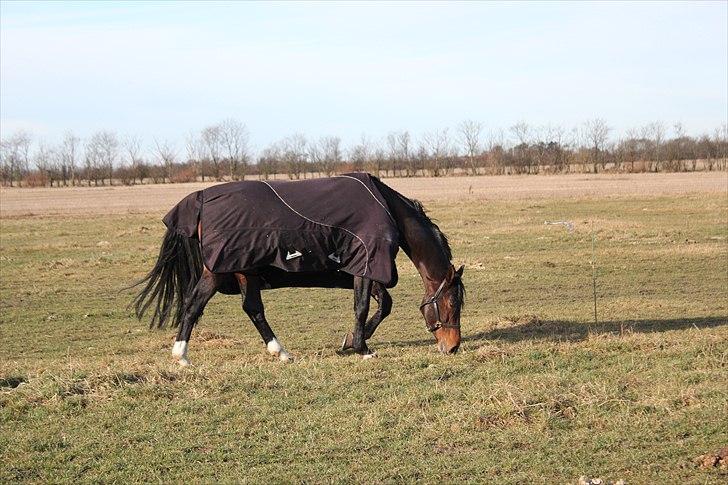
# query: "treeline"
{"type": "Point", "coordinates": [223, 152]}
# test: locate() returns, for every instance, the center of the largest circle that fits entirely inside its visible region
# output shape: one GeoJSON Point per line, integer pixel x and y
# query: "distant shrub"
{"type": "Point", "coordinates": [125, 175]}
{"type": "Point", "coordinates": [183, 175]}
{"type": "Point", "coordinates": [35, 179]}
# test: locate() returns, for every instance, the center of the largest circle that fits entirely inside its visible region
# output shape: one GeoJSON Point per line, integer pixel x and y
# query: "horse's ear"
{"type": "Point", "coordinates": [460, 270]}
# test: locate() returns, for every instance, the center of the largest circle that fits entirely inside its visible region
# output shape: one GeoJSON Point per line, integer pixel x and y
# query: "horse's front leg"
{"type": "Point", "coordinates": [194, 306]}
{"type": "Point", "coordinates": [384, 308]}
{"type": "Point", "coordinates": [253, 307]}
{"type": "Point", "coordinates": [362, 294]}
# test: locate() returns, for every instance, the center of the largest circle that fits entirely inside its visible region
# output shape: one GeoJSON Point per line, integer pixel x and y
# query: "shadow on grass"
{"type": "Point", "coordinates": [11, 382]}
{"type": "Point", "coordinates": [574, 331]}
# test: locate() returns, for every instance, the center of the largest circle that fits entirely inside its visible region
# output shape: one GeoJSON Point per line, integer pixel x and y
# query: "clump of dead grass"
{"type": "Point", "coordinates": [82, 387]}
{"type": "Point", "coordinates": [718, 459]}
{"type": "Point", "coordinates": [487, 353]}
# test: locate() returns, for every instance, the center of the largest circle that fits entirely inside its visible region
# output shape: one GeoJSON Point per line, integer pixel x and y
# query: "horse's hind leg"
{"type": "Point", "coordinates": [381, 295]}
{"type": "Point", "coordinates": [384, 308]}
{"type": "Point", "coordinates": [253, 307]}
{"type": "Point", "coordinates": [194, 306]}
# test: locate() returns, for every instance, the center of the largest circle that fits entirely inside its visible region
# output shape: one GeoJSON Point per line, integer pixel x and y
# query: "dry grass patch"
{"type": "Point", "coordinates": [538, 393]}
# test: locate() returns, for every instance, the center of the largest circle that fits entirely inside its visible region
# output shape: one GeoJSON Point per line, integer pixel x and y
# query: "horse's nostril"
{"type": "Point", "coordinates": [454, 349]}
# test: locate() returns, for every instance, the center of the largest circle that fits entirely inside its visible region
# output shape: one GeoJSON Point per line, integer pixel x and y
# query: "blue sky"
{"type": "Point", "coordinates": [165, 69]}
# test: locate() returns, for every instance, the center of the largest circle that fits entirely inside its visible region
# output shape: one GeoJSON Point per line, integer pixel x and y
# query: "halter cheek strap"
{"type": "Point", "coordinates": [433, 301]}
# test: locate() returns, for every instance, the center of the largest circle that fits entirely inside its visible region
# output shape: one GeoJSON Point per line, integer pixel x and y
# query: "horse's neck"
{"type": "Point", "coordinates": [429, 258]}
{"type": "Point", "coordinates": [421, 244]}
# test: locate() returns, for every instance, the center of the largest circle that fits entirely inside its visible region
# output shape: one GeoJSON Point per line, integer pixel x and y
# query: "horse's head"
{"type": "Point", "coordinates": [442, 311]}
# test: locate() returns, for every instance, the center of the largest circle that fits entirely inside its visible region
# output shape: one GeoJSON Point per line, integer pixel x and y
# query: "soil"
{"type": "Point", "coordinates": [159, 198]}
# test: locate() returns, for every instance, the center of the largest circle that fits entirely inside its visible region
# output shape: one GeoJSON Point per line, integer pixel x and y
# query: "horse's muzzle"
{"type": "Point", "coordinates": [442, 347]}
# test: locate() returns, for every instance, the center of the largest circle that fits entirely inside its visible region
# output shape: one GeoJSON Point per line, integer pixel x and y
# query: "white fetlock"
{"type": "Point", "coordinates": [275, 348]}
{"type": "Point", "coordinates": [179, 351]}
{"type": "Point", "coordinates": [371, 355]}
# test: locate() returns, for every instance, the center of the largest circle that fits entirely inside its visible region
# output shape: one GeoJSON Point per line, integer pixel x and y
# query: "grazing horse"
{"type": "Point", "coordinates": [183, 279]}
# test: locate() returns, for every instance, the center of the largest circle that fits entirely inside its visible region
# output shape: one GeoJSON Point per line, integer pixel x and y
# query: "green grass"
{"type": "Point", "coordinates": [538, 394]}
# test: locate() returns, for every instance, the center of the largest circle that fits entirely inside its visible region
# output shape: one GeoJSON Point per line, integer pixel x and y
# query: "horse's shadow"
{"type": "Point", "coordinates": [574, 331]}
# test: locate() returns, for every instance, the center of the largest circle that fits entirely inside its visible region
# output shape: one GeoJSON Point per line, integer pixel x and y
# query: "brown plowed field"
{"type": "Point", "coordinates": [154, 198]}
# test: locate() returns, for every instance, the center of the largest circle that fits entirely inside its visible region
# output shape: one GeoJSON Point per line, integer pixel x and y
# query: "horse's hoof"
{"type": "Point", "coordinates": [184, 362]}
{"type": "Point", "coordinates": [348, 341]}
{"type": "Point", "coordinates": [285, 357]}
{"type": "Point", "coordinates": [370, 355]}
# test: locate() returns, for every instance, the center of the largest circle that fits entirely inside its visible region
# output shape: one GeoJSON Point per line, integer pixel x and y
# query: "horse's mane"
{"type": "Point", "coordinates": [459, 293]}
{"type": "Point", "coordinates": [422, 213]}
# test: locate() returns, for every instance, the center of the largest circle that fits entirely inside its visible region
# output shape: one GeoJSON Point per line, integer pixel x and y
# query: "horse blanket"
{"type": "Point", "coordinates": [340, 223]}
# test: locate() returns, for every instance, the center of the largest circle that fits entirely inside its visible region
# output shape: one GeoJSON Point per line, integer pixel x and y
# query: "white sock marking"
{"type": "Point", "coordinates": [275, 348]}
{"type": "Point", "coordinates": [179, 351]}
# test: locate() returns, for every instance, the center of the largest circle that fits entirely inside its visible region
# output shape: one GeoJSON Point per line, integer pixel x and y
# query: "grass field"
{"type": "Point", "coordinates": [538, 394]}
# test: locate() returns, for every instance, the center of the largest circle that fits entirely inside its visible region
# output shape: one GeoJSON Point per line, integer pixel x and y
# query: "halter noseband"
{"type": "Point", "coordinates": [433, 301]}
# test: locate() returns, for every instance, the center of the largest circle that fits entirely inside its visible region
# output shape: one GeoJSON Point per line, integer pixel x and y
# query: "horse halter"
{"type": "Point", "coordinates": [433, 301]}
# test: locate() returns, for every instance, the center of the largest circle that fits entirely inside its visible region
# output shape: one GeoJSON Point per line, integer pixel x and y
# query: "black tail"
{"type": "Point", "coordinates": [176, 272]}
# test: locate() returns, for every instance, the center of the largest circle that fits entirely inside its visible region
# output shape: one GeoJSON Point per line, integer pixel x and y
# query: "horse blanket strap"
{"type": "Point", "coordinates": [339, 223]}
{"type": "Point", "coordinates": [433, 301]}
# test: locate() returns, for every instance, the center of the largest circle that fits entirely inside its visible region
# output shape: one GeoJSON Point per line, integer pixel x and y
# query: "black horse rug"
{"type": "Point", "coordinates": [335, 224]}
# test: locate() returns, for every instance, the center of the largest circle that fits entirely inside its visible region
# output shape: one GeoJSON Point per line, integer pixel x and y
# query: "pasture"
{"type": "Point", "coordinates": [539, 392]}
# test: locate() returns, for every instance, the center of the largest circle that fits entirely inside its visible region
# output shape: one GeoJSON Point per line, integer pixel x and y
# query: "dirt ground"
{"type": "Point", "coordinates": [152, 198]}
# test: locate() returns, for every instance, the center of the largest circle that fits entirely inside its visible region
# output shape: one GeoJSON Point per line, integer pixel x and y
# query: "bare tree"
{"type": "Point", "coordinates": [332, 154]}
{"type": "Point", "coordinates": [470, 133]}
{"type": "Point", "coordinates": [551, 150]}
{"type": "Point", "coordinates": [597, 132]}
{"type": "Point", "coordinates": [633, 147]}
{"type": "Point", "coordinates": [234, 139]}
{"type": "Point", "coordinates": [522, 132]}
{"type": "Point", "coordinates": [326, 154]}
{"type": "Point", "coordinates": [16, 155]}
{"type": "Point", "coordinates": [270, 160]}
{"type": "Point", "coordinates": [68, 153]}
{"type": "Point", "coordinates": [656, 133]}
{"type": "Point", "coordinates": [295, 155]}
{"type": "Point", "coordinates": [212, 140]}
{"type": "Point", "coordinates": [90, 163]}
{"type": "Point", "coordinates": [5, 163]}
{"type": "Point", "coordinates": [393, 153]}
{"type": "Point", "coordinates": [437, 147]}
{"type": "Point", "coordinates": [521, 152]}
{"type": "Point", "coordinates": [43, 160]}
{"type": "Point", "coordinates": [316, 156]}
{"type": "Point", "coordinates": [166, 154]}
{"type": "Point", "coordinates": [379, 159]}
{"type": "Point", "coordinates": [132, 146]}
{"type": "Point", "coordinates": [495, 146]}
{"type": "Point", "coordinates": [405, 153]}
{"type": "Point", "coordinates": [717, 157]}
{"type": "Point", "coordinates": [195, 153]}
{"type": "Point", "coordinates": [102, 152]}
{"type": "Point", "coordinates": [361, 155]}
{"type": "Point", "coordinates": [93, 160]}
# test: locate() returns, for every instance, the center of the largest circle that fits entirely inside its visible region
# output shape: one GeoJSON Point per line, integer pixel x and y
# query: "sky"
{"type": "Point", "coordinates": [164, 70]}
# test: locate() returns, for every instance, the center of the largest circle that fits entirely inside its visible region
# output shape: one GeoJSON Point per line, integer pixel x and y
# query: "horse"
{"type": "Point", "coordinates": [180, 284]}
